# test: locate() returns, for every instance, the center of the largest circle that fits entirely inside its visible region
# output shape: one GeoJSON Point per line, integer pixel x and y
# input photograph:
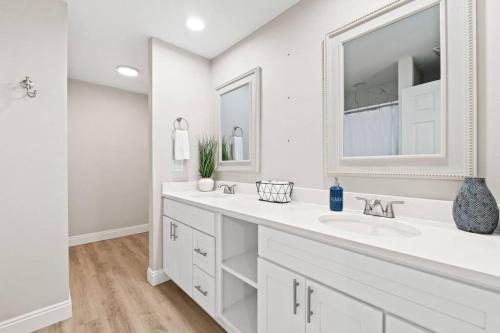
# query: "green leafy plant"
{"type": "Point", "coordinates": [226, 152]}
{"type": "Point", "coordinates": [207, 148]}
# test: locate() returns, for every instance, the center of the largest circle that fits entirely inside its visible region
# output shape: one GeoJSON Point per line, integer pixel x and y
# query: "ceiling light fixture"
{"type": "Point", "coordinates": [127, 71]}
{"type": "Point", "coordinates": [195, 24]}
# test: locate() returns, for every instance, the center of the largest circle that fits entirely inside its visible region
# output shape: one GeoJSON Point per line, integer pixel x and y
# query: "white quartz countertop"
{"type": "Point", "coordinates": [435, 247]}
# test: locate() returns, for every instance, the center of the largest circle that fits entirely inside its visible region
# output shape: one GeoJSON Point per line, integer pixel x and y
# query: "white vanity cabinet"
{"type": "Point", "coordinates": [351, 292]}
{"type": "Point", "coordinates": [395, 325]}
{"type": "Point", "coordinates": [177, 249]}
{"type": "Point", "coordinates": [189, 251]}
{"type": "Point", "coordinates": [281, 299]}
{"type": "Point", "coordinates": [288, 302]}
{"type": "Point", "coordinates": [328, 310]}
{"type": "Point", "coordinates": [252, 277]}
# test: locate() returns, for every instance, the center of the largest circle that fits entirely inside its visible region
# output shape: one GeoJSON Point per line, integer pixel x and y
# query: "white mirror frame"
{"type": "Point", "coordinates": [253, 79]}
{"type": "Point", "coordinates": [458, 155]}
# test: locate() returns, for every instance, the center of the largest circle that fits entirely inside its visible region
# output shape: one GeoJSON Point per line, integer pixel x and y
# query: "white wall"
{"type": "Point", "coordinates": [180, 87]}
{"type": "Point", "coordinates": [33, 162]}
{"type": "Point", "coordinates": [108, 142]}
{"type": "Point", "coordinates": [289, 50]}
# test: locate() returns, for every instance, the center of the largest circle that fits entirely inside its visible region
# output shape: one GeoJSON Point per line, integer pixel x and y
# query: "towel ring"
{"type": "Point", "coordinates": [178, 124]}
{"type": "Point", "coordinates": [235, 131]}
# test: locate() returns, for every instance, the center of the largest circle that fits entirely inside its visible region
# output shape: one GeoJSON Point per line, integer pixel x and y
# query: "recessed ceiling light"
{"type": "Point", "coordinates": [127, 71]}
{"type": "Point", "coordinates": [195, 24]}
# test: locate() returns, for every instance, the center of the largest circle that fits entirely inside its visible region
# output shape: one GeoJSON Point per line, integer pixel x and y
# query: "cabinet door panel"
{"type": "Point", "coordinates": [169, 250]}
{"type": "Point", "coordinates": [177, 253]}
{"type": "Point", "coordinates": [333, 312]}
{"type": "Point", "coordinates": [281, 300]}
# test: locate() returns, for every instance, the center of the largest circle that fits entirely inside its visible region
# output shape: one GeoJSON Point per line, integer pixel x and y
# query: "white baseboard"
{"type": "Point", "coordinates": [156, 277]}
{"type": "Point", "coordinates": [37, 319]}
{"type": "Point", "coordinates": [108, 234]}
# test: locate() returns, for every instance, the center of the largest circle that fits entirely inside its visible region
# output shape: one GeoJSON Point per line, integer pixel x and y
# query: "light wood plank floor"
{"type": "Point", "coordinates": [110, 293]}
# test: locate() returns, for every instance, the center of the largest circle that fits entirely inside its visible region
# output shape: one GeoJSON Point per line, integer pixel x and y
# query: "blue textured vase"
{"type": "Point", "coordinates": [475, 208]}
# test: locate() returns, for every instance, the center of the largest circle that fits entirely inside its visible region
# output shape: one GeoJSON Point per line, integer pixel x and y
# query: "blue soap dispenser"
{"type": "Point", "coordinates": [336, 197]}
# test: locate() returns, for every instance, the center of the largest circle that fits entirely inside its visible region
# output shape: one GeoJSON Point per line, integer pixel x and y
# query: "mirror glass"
{"type": "Point", "coordinates": [235, 107]}
{"type": "Point", "coordinates": [392, 89]}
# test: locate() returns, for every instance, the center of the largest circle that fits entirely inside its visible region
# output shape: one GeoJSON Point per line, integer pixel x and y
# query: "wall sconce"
{"type": "Point", "coordinates": [28, 86]}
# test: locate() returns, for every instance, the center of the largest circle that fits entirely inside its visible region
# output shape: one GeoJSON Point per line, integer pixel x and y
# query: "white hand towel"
{"type": "Point", "coordinates": [238, 148]}
{"type": "Point", "coordinates": [181, 145]}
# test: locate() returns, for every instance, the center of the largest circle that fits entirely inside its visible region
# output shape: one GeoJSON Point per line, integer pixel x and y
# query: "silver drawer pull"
{"type": "Point", "coordinates": [309, 311]}
{"type": "Point", "coordinates": [295, 303]}
{"type": "Point", "coordinates": [174, 232]}
{"type": "Point", "coordinates": [203, 292]}
{"type": "Point", "coordinates": [199, 251]}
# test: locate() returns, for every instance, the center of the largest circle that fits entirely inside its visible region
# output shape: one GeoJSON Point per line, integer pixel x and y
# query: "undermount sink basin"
{"type": "Point", "coordinates": [369, 225]}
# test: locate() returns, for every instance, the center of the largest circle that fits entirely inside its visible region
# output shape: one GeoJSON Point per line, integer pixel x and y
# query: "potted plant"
{"type": "Point", "coordinates": [207, 148]}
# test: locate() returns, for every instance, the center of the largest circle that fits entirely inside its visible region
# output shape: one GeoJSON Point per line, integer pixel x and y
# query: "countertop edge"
{"type": "Point", "coordinates": [460, 274]}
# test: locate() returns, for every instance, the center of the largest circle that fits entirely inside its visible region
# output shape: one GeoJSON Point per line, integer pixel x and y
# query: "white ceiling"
{"type": "Point", "coordinates": [107, 33]}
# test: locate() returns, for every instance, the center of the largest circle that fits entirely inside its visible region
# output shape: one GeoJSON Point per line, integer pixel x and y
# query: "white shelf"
{"type": "Point", "coordinates": [243, 266]}
{"type": "Point", "coordinates": [243, 314]}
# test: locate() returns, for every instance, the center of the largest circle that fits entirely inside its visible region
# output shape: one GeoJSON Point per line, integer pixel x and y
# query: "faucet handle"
{"type": "Point", "coordinates": [389, 209]}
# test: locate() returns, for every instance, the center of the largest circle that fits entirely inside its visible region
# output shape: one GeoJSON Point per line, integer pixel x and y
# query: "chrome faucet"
{"type": "Point", "coordinates": [374, 207]}
{"type": "Point", "coordinates": [228, 189]}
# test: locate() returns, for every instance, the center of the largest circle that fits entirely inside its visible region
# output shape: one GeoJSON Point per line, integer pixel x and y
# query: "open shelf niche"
{"type": "Point", "coordinates": [239, 274]}
{"type": "Point", "coordinates": [239, 301]}
{"type": "Point", "coordinates": [239, 249]}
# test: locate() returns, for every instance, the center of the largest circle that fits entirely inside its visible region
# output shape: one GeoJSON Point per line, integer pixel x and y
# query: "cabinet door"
{"type": "Point", "coordinates": [395, 325]}
{"type": "Point", "coordinates": [330, 311]}
{"type": "Point", "coordinates": [177, 253]}
{"type": "Point", "coordinates": [281, 299]}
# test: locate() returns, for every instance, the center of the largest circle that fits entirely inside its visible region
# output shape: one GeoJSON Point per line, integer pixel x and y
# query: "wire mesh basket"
{"type": "Point", "coordinates": [273, 191]}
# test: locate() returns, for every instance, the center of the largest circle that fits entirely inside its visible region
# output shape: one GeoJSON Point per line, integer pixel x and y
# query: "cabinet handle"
{"type": "Point", "coordinates": [199, 251]}
{"type": "Point", "coordinates": [171, 234]}
{"type": "Point", "coordinates": [174, 234]}
{"type": "Point", "coordinates": [295, 303]}
{"type": "Point", "coordinates": [203, 292]}
{"type": "Point", "coordinates": [309, 312]}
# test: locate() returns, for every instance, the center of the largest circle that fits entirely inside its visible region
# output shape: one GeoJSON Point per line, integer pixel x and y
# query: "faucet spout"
{"type": "Point", "coordinates": [374, 207]}
{"type": "Point", "coordinates": [228, 189]}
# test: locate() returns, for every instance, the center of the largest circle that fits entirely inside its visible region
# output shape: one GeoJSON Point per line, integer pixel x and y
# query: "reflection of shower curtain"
{"type": "Point", "coordinates": [372, 132]}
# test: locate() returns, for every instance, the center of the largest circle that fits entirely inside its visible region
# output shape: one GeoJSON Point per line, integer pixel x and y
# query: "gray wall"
{"type": "Point", "coordinates": [289, 50]}
{"type": "Point", "coordinates": [108, 158]}
{"type": "Point", "coordinates": [33, 157]}
{"type": "Point", "coordinates": [180, 87]}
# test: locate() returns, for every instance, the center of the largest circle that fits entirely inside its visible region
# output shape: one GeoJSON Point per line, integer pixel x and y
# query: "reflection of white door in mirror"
{"type": "Point", "coordinates": [421, 119]}
{"type": "Point", "coordinates": [238, 123]}
{"type": "Point", "coordinates": [400, 92]}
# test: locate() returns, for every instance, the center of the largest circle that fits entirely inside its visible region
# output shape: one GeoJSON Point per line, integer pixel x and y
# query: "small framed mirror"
{"type": "Point", "coordinates": [400, 91]}
{"type": "Point", "coordinates": [238, 123]}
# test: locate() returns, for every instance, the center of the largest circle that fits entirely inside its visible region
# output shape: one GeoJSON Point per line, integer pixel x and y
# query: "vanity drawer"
{"type": "Point", "coordinates": [195, 217]}
{"type": "Point", "coordinates": [436, 303]}
{"type": "Point", "coordinates": [204, 290]}
{"type": "Point", "coordinates": [396, 325]}
{"type": "Point", "coordinates": [204, 252]}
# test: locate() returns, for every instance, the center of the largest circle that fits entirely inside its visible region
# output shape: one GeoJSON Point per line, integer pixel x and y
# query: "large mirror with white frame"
{"type": "Point", "coordinates": [238, 123]}
{"type": "Point", "coordinates": [400, 91]}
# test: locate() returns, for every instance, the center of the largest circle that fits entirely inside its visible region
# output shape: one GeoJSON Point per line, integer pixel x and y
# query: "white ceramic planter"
{"type": "Point", "coordinates": [206, 184]}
